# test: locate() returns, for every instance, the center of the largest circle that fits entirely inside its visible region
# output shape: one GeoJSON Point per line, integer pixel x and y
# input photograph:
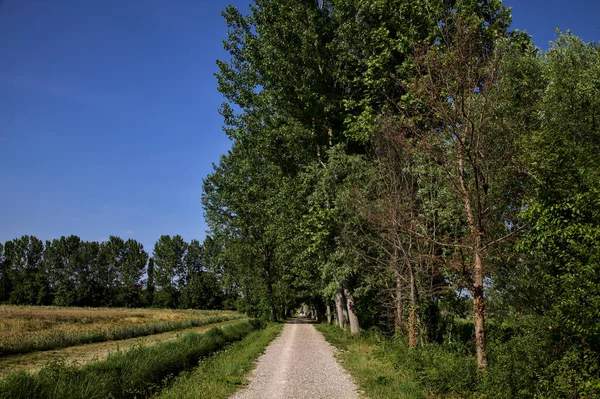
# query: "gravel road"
{"type": "Point", "coordinates": [299, 364]}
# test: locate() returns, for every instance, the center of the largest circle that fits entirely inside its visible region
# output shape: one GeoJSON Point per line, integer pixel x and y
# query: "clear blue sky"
{"type": "Point", "coordinates": [108, 111]}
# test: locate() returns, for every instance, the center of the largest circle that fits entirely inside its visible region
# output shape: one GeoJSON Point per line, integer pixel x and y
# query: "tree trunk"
{"type": "Point", "coordinates": [354, 326]}
{"type": "Point", "coordinates": [271, 300]}
{"type": "Point", "coordinates": [412, 317]}
{"type": "Point", "coordinates": [398, 303]}
{"type": "Point", "coordinates": [328, 312]}
{"type": "Point", "coordinates": [479, 313]}
{"type": "Point", "coordinates": [477, 289]}
{"type": "Point", "coordinates": [340, 304]}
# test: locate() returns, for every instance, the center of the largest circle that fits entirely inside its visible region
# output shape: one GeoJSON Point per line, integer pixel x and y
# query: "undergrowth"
{"type": "Point", "coordinates": [523, 363]}
{"type": "Point", "coordinates": [375, 375]}
{"type": "Point", "coordinates": [223, 373]}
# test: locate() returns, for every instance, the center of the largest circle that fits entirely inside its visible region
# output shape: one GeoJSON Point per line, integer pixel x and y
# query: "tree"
{"type": "Point", "coordinates": [131, 270]}
{"type": "Point", "coordinates": [457, 126]}
{"type": "Point", "coordinates": [85, 264]}
{"type": "Point", "coordinates": [168, 258]}
{"type": "Point", "coordinates": [393, 215]}
{"type": "Point", "coordinates": [113, 253]}
{"type": "Point", "coordinates": [238, 199]}
{"type": "Point", "coordinates": [5, 284]}
{"type": "Point", "coordinates": [62, 262]}
{"type": "Point", "coordinates": [28, 280]}
{"type": "Point", "coordinates": [287, 76]}
{"type": "Point", "coordinates": [331, 232]}
{"type": "Point", "coordinates": [192, 292]}
{"type": "Point", "coordinates": [302, 78]}
{"type": "Point", "coordinates": [149, 294]}
{"type": "Point", "coordinates": [563, 212]}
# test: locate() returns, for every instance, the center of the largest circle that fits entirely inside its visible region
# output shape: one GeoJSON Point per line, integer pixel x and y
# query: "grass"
{"type": "Point", "coordinates": [376, 376]}
{"type": "Point", "coordinates": [138, 373]}
{"type": "Point", "coordinates": [26, 329]}
{"type": "Point", "coordinates": [222, 374]}
{"type": "Point", "coordinates": [83, 354]}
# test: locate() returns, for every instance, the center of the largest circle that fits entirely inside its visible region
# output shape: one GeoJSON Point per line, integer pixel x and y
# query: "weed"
{"type": "Point", "coordinates": [376, 376]}
{"type": "Point", "coordinates": [222, 374]}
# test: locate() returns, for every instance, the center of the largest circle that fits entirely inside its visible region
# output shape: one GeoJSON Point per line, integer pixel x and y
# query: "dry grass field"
{"type": "Point", "coordinates": [88, 353]}
{"type": "Point", "coordinates": [32, 328]}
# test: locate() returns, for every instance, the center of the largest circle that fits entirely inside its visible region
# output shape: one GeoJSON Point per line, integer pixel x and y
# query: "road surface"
{"type": "Point", "coordinates": [299, 364]}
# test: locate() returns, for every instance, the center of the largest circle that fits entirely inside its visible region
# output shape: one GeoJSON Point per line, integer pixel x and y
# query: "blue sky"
{"type": "Point", "coordinates": [108, 111]}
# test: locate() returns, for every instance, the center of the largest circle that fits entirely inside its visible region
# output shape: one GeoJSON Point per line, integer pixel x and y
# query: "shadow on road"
{"type": "Point", "coordinates": [300, 320]}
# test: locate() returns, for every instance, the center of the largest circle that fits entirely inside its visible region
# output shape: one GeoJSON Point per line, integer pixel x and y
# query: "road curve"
{"type": "Point", "coordinates": [296, 365]}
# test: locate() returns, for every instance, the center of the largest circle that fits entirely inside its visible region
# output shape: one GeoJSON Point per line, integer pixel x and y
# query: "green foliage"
{"type": "Point", "coordinates": [72, 272]}
{"type": "Point", "coordinates": [5, 286]}
{"type": "Point", "coordinates": [150, 287]}
{"type": "Point", "coordinates": [563, 241]}
{"type": "Point", "coordinates": [169, 264]}
{"type": "Point", "coordinates": [23, 257]}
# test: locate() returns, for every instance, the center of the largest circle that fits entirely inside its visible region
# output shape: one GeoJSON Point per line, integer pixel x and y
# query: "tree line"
{"type": "Point", "coordinates": [411, 164]}
{"type": "Point", "coordinates": [71, 272]}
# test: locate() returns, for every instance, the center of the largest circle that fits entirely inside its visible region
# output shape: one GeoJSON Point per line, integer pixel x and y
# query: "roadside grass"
{"type": "Point", "coordinates": [138, 373]}
{"type": "Point", "coordinates": [26, 329]}
{"type": "Point", "coordinates": [80, 355]}
{"type": "Point", "coordinates": [375, 375]}
{"type": "Point", "coordinates": [223, 373]}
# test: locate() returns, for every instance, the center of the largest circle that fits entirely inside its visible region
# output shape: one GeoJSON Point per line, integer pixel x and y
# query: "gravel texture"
{"type": "Point", "coordinates": [299, 364]}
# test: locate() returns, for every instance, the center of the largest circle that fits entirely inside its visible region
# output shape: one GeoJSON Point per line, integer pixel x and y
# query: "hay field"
{"type": "Point", "coordinates": [32, 328]}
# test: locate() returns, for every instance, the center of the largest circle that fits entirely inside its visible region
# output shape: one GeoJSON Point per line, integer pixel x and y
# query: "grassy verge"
{"type": "Point", "coordinates": [376, 376]}
{"type": "Point", "coordinates": [82, 354]}
{"type": "Point", "coordinates": [137, 373]}
{"type": "Point", "coordinates": [40, 341]}
{"type": "Point", "coordinates": [221, 375]}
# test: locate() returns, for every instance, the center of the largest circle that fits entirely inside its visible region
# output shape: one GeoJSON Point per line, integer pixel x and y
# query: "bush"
{"type": "Point", "coordinates": [515, 367]}
{"type": "Point", "coordinates": [441, 369]}
{"type": "Point", "coordinates": [540, 361]}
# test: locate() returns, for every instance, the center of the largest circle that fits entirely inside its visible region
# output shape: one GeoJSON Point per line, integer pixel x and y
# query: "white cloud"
{"type": "Point", "coordinates": [128, 232]}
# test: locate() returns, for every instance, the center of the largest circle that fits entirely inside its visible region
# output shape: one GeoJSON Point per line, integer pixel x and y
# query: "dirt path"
{"type": "Point", "coordinates": [299, 364]}
{"type": "Point", "coordinates": [82, 354]}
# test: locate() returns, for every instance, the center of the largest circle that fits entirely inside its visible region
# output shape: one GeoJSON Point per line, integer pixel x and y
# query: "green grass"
{"type": "Point", "coordinates": [67, 339]}
{"type": "Point", "coordinates": [222, 374]}
{"type": "Point", "coordinates": [25, 329]}
{"type": "Point", "coordinates": [138, 373]}
{"type": "Point", "coordinates": [376, 376]}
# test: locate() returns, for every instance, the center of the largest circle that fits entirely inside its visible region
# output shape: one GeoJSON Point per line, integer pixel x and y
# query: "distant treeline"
{"type": "Point", "coordinates": [71, 272]}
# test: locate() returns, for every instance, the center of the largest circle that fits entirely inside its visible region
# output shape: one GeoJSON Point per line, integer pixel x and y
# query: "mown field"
{"type": "Point", "coordinates": [139, 370]}
{"type": "Point", "coordinates": [197, 344]}
{"type": "Point", "coordinates": [32, 328]}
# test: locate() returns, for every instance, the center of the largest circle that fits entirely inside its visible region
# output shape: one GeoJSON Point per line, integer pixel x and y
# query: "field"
{"type": "Point", "coordinates": [27, 328]}
{"type": "Point", "coordinates": [141, 372]}
{"type": "Point", "coordinates": [55, 352]}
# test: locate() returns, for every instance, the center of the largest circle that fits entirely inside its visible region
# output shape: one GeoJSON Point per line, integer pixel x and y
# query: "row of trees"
{"type": "Point", "coordinates": [117, 272]}
{"type": "Point", "coordinates": [393, 159]}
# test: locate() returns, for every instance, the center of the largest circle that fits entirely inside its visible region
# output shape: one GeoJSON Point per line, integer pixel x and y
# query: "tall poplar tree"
{"type": "Point", "coordinates": [168, 258]}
